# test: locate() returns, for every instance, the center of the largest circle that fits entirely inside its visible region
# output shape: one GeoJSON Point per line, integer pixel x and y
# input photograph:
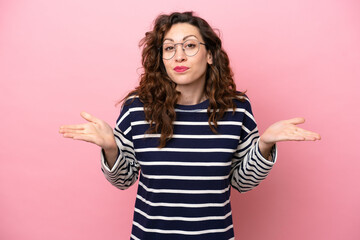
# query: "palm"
{"type": "Point", "coordinates": [287, 130]}
{"type": "Point", "coordinates": [95, 131]}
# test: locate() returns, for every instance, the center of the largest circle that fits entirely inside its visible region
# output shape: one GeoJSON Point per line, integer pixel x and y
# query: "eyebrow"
{"type": "Point", "coordinates": [186, 37]}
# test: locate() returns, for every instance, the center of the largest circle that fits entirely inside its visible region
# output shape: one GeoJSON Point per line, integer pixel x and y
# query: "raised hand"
{"type": "Point", "coordinates": [286, 130]}
{"type": "Point", "coordinates": [94, 131]}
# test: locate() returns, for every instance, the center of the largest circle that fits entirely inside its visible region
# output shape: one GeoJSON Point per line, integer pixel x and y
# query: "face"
{"type": "Point", "coordinates": [187, 72]}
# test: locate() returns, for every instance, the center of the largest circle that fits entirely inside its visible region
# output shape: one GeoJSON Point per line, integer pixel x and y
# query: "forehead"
{"type": "Point", "coordinates": [178, 31]}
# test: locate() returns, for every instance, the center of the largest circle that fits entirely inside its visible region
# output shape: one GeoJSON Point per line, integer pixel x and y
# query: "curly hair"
{"type": "Point", "coordinates": [158, 92]}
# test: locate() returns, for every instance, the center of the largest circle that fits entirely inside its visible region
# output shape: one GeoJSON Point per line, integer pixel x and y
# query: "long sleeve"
{"type": "Point", "coordinates": [125, 171]}
{"type": "Point", "coordinates": [184, 190]}
{"type": "Point", "coordinates": [248, 166]}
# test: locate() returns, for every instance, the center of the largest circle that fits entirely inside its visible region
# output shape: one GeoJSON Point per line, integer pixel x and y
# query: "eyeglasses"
{"type": "Point", "coordinates": [190, 47]}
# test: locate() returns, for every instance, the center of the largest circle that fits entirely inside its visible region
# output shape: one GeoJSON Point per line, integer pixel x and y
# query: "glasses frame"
{"type": "Point", "coordinates": [182, 47]}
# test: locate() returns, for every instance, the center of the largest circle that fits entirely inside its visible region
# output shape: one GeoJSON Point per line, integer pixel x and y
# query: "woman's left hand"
{"type": "Point", "coordinates": [285, 130]}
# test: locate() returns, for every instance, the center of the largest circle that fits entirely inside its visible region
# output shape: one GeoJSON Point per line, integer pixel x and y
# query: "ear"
{"type": "Point", "coordinates": [209, 58]}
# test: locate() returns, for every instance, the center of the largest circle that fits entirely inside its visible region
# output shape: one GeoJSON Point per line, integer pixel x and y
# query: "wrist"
{"type": "Point", "coordinates": [265, 145]}
{"type": "Point", "coordinates": [110, 145]}
{"type": "Point", "coordinates": [265, 148]}
{"type": "Point", "coordinates": [110, 149]}
{"type": "Point", "coordinates": [111, 154]}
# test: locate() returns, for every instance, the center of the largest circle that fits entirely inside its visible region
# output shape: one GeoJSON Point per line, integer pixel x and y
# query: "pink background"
{"type": "Point", "coordinates": [60, 57]}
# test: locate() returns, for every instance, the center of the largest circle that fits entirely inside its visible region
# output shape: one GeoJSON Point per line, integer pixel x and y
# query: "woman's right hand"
{"type": "Point", "coordinates": [94, 131]}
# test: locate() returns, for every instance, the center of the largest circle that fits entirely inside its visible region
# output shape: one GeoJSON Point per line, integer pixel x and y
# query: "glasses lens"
{"type": "Point", "coordinates": [168, 50]}
{"type": "Point", "coordinates": [191, 47]}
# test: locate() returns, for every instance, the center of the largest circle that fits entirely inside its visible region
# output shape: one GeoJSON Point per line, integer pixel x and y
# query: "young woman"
{"type": "Point", "coordinates": [189, 131]}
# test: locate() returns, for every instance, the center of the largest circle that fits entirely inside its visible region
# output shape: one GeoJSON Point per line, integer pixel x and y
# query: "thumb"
{"type": "Point", "coordinates": [88, 117]}
{"type": "Point", "coordinates": [296, 121]}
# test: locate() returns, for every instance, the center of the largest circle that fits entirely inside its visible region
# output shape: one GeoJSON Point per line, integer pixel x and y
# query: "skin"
{"type": "Point", "coordinates": [191, 84]}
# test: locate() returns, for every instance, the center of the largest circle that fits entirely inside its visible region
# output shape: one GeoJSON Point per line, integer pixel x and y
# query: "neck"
{"type": "Point", "coordinates": [191, 99]}
{"type": "Point", "coordinates": [191, 95]}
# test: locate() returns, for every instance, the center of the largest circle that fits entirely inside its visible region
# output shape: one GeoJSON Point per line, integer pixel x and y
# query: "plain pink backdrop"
{"type": "Point", "coordinates": [60, 57]}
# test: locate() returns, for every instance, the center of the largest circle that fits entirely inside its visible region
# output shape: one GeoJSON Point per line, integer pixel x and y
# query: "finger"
{"type": "Point", "coordinates": [307, 133]}
{"type": "Point", "coordinates": [297, 120]}
{"type": "Point", "coordinates": [81, 137]}
{"type": "Point", "coordinates": [89, 117]}
{"type": "Point", "coordinates": [297, 138]}
{"type": "Point", "coordinates": [69, 135]}
{"type": "Point", "coordinates": [312, 136]}
{"type": "Point", "coordinates": [71, 130]}
{"type": "Point", "coordinates": [65, 128]}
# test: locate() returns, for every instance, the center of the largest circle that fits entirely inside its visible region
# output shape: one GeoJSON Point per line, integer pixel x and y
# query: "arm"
{"type": "Point", "coordinates": [117, 155]}
{"type": "Point", "coordinates": [285, 130]}
{"type": "Point", "coordinates": [249, 167]}
{"type": "Point", "coordinates": [125, 170]}
{"type": "Point", "coordinates": [94, 131]}
{"type": "Point", "coordinates": [259, 153]}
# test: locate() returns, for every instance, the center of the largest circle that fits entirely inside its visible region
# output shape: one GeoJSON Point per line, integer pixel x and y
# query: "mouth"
{"type": "Point", "coordinates": [180, 69]}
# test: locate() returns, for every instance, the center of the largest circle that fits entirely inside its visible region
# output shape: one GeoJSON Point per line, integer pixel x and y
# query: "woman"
{"type": "Point", "coordinates": [189, 131]}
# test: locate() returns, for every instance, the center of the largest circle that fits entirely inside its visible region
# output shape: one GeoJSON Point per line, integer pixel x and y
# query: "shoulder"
{"type": "Point", "coordinates": [130, 110]}
{"type": "Point", "coordinates": [130, 104]}
{"type": "Point", "coordinates": [241, 100]}
{"type": "Point", "coordinates": [132, 101]}
{"type": "Point", "coordinates": [244, 112]}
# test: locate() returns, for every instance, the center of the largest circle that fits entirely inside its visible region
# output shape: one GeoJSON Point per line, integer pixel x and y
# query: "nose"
{"type": "Point", "coordinates": [180, 55]}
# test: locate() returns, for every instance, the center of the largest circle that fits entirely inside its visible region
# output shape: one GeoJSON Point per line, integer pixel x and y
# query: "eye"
{"type": "Point", "coordinates": [168, 48]}
{"type": "Point", "coordinates": [190, 45]}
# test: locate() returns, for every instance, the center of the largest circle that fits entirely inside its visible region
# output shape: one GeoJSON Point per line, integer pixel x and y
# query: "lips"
{"type": "Point", "coordinates": [180, 69]}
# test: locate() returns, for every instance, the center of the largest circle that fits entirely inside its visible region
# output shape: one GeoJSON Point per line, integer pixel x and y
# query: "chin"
{"type": "Point", "coordinates": [184, 82]}
{"type": "Point", "coordinates": [181, 80]}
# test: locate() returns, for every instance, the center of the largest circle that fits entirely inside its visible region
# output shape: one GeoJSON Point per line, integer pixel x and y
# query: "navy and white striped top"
{"type": "Point", "coordinates": [184, 188]}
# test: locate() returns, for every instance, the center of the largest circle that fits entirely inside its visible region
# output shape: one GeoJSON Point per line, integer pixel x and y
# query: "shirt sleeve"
{"type": "Point", "coordinates": [125, 171]}
{"type": "Point", "coordinates": [248, 166]}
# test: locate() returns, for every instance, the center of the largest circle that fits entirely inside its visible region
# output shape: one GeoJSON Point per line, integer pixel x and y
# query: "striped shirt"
{"type": "Point", "coordinates": [184, 188]}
